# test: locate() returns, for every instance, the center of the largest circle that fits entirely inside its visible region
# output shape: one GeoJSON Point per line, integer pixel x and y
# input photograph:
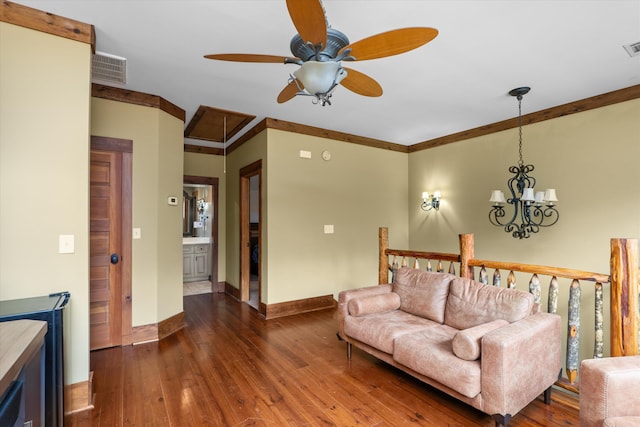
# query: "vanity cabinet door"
{"type": "Point", "coordinates": [188, 254]}
{"type": "Point", "coordinates": [201, 261]}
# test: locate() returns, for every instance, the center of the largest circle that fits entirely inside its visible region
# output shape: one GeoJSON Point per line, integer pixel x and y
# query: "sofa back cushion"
{"type": "Point", "coordinates": [472, 303]}
{"type": "Point", "coordinates": [423, 293]}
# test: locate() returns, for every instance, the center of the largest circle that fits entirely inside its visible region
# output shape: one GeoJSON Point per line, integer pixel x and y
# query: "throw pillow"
{"type": "Point", "coordinates": [467, 344]}
{"type": "Point", "coordinates": [374, 304]}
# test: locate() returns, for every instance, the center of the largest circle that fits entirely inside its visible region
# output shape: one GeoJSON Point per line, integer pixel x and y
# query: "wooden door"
{"type": "Point", "coordinates": [105, 249]}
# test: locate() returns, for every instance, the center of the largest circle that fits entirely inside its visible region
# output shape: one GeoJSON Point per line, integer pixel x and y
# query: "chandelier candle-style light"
{"type": "Point", "coordinates": [531, 209]}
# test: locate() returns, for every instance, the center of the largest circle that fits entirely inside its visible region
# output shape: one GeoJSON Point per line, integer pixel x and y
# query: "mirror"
{"type": "Point", "coordinates": [188, 214]}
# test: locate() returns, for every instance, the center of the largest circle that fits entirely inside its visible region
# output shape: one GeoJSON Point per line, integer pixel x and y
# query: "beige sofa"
{"type": "Point", "coordinates": [479, 343]}
{"type": "Point", "coordinates": [610, 392]}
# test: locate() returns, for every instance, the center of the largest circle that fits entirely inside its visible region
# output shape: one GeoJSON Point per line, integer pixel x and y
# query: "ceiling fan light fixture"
{"type": "Point", "coordinates": [319, 78]}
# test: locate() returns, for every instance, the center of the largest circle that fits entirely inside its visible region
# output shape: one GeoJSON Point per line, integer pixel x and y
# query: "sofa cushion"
{"type": "Point", "coordinates": [379, 330]}
{"type": "Point", "coordinates": [621, 422]}
{"type": "Point", "coordinates": [422, 293]}
{"type": "Point", "coordinates": [429, 353]}
{"type": "Point", "coordinates": [374, 304]}
{"type": "Point", "coordinates": [472, 303]}
{"type": "Point", "coordinates": [467, 344]}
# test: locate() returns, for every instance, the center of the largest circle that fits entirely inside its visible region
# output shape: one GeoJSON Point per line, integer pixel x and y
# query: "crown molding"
{"type": "Point", "coordinates": [34, 19]}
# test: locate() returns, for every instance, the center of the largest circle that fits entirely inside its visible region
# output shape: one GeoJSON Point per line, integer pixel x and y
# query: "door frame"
{"type": "Point", "coordinates": [214, 183]}
{"type": "Point", "coordinates": [125, 147]}
{"type": "Point", "coordinates": [246, 173]}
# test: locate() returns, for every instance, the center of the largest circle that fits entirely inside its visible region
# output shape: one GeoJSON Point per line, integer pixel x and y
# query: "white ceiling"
{"type": "Point", "coordinates": [566, 50]}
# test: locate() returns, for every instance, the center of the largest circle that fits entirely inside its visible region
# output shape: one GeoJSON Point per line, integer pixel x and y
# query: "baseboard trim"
{"type": "Point", "coordinates": [78, 397]}
{"type": "Point", "coordinates": [231, 290]}
{"type": "Point", "coordinates": [157, 331]}
{"type": "Point", "coordinates": [218, 287]}
{"type": "Point", "coordinates": [171, 325]}
{"type": "Point", "coordinates": [288, 308]}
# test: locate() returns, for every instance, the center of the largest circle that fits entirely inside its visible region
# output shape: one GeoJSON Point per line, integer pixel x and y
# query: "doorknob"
{"type": "Point", "coordinates": [114, 258]}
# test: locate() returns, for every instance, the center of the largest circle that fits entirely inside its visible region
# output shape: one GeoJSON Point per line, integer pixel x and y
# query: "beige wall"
{"type": "Point", "coordinates": [44, 177]}
{"type": "Point", "coordinates": [157, 174]}
{"type": "Point", "coordinates": [213, 167]}
{"type": "Point", "coordinates": [358, 190]}
{"type": "Point", "coordinates": [590, 158]}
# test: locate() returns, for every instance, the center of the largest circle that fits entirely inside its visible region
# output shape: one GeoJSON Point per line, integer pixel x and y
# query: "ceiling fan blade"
{"type": "Point", "coordinates": [391, 43]}
{"type": "Point", "coordinates": [248, 57]}
{"type": "Point", "coordinates": [309, 20]}
{"type": "Point", "coordinates": [288, 92]}
{"type": "Point", "coordinates": [361, 84]}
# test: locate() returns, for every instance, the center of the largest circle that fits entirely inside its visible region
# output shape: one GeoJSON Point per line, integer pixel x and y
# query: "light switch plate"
{"type": "Point", "coordinates": [66, 244]}
{"type": "Point", "coordinates": [328, 229]}
{"type": "Point", "coordinates": [137, 233]}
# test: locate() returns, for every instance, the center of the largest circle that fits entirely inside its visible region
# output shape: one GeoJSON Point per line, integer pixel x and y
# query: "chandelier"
{"type": "Point", "coordinates": [531, 209]}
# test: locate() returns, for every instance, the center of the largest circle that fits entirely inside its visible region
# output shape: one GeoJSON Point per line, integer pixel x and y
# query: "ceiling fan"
{"type": "Point", "coordinates": [319, 51]}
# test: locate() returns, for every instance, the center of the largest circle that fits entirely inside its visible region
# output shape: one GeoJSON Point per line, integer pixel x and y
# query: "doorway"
{"type": "Point", "coordinates": [200, 234]}
{"type": "Point", "coordinates": [251, 234]}
{"type": "Point", "coordinates": [110, 251]}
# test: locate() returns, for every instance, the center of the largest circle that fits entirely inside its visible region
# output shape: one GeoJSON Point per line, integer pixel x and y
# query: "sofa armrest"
{"type": "Point", "coordinates": [609, 387]}
{"type": "Point", "coordinates": [519, 362]}
{"type": "Point", "coordinates": [345, 296]}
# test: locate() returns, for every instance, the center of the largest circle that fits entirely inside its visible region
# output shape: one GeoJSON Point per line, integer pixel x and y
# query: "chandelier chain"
{"type": "Point", "coordinates": [520, 162]}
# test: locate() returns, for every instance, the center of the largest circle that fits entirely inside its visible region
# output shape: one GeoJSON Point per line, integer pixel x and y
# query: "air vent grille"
{"type": "Point", "coordinates": [632, 49]}
{"type": "Point", "coordinates": [109, 68]}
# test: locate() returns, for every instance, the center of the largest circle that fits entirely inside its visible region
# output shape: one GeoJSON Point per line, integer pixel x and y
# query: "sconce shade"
{"type": "Point", "coordinates": [550, 195]}
{"type": "Point", "coordinates": [527, 195]}
{"type": "Point", "coordinates": [497, 196]}
{"type": "Point", "coordinates": [320, 77]}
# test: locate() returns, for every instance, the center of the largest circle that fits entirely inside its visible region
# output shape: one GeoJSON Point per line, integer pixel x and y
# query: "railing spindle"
{"type": "Point", "coordinates": [598, 346]}
{"type": "Point", "coordinates": [482, 276]}
{"type": "Point", "coordinates": [416, 264]}
{"type": "Point", "coordinates": [573, 332]}
{"type": "Point", "coordinates": [552, 300]}
{"type": "Point", "coordinates": [452, 269]}
{"type": "Point", "coordinates": [511, 280]}
{"type": "Point", "coordinates": [440, 269]}
{"type": "Point", "coordinates": [534, 289]}
{"type": "Point", "coordinates": [496, 277]}
{"type": "Point", "coordinates": [429, 265]}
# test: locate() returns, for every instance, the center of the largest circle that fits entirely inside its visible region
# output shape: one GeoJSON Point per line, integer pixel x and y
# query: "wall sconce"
{"type": "Point", "coordinates": [430, 203]}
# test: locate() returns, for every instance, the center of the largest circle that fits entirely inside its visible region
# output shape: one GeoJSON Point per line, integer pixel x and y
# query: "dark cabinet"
{"type": "Point", "coordinates": [49, 308]}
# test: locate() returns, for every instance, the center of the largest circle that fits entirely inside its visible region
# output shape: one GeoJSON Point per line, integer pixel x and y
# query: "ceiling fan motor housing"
{"type": "Point", "coordinates": [336, 40]}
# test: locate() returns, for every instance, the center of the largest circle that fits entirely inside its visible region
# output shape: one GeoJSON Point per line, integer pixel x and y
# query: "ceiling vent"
{"type": "Point", "coordinates": [632, 49]}
{"type": "Point", "coordinates": [109, 68]}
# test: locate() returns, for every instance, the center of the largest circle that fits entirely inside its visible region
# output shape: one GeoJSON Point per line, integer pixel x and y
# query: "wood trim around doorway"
{"type": "Point", "coordinates": [253, 169]}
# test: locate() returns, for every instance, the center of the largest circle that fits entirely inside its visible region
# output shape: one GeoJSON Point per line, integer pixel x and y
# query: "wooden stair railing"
{"type": "Point", "coordinates": [623, 281]}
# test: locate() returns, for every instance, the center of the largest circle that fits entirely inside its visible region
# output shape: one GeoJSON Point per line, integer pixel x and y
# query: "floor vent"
{"type": "Point", "coordinates": [632, 49]}
{"type": "Point", "coordinates": [109, 68]}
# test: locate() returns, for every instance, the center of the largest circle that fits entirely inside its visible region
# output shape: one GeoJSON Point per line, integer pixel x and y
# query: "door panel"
{"type": "Point", "coordinates": [105, 311]}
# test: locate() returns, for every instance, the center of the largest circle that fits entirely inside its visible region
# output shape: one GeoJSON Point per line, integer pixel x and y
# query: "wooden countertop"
{"type": "Point", "coordinates": [20, 340]}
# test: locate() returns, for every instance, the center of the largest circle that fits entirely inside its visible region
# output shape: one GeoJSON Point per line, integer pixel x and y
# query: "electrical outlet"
{"type": "Point", "coordinates": [328, 229]}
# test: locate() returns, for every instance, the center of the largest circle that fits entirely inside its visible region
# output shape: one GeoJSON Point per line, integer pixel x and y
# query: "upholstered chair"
{"type": "Point", "coordinates": [610, 392]}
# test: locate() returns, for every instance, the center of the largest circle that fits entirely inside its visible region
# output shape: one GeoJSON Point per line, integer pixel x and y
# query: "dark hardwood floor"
{"type": "Point", "coordinates": [229, 367]}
